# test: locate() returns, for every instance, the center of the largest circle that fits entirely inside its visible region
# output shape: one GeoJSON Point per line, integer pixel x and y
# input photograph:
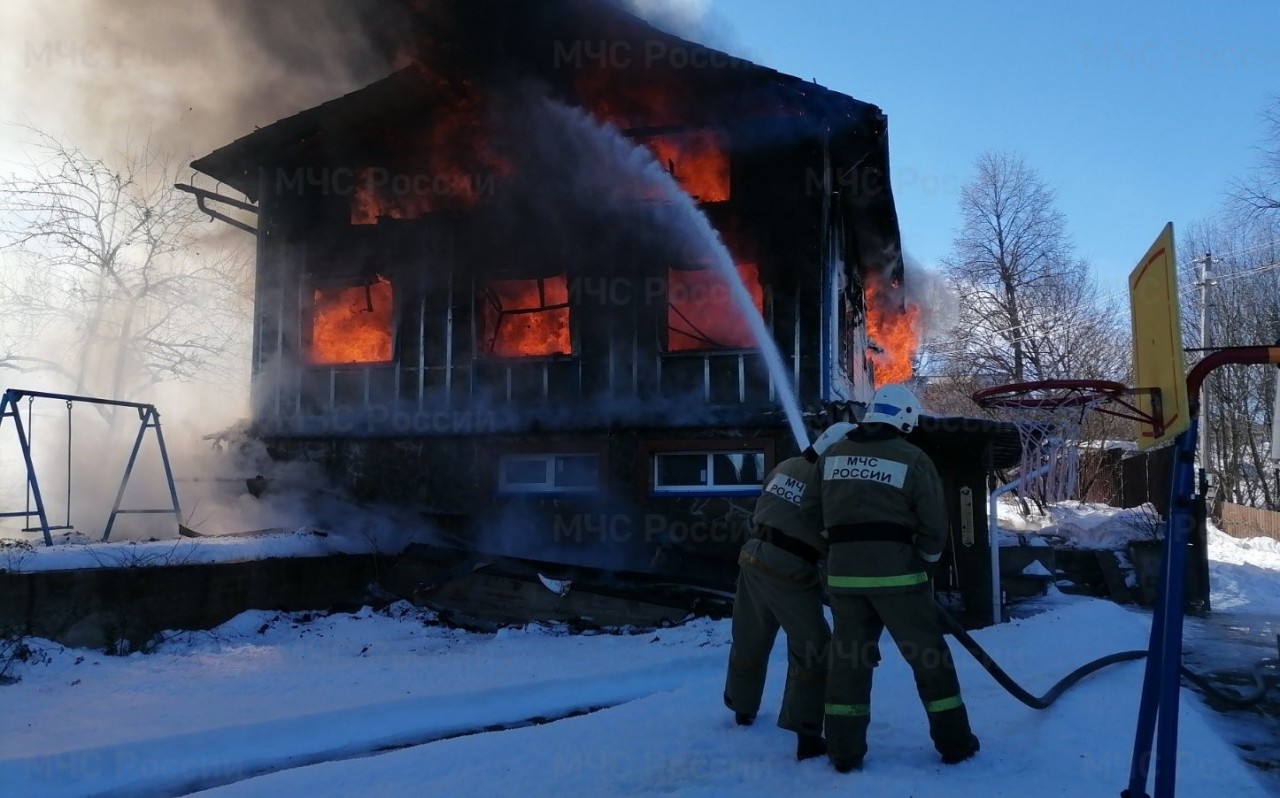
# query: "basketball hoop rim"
{"type": "Point", "coordinates": [1077, 393]}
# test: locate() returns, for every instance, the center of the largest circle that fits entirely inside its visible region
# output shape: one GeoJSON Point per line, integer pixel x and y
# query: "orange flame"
{"type": "Point", "coordinates": [632, 99]}
{"type": "Point", "coordinates": [372, 201]}
{"type": "Point", "coordinates": [527, 318]}
{"type": "Point", "coordinates": [702, 314]}
{"type": "Point", "coordinates": [892, 329]}
{"type": "Point", "coordinates": [697, 161]}
{"type": "Point", "coordinates": [352, 325]}
{"type": "Point", "coordinates": [449, 166]}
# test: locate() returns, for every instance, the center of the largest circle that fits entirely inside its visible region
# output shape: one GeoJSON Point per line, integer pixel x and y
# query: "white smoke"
{"type": "Point", "coordinates": [682, 17]}
{"type": "Point", "coordinates": [699, 21]}
{"type": "Point", "coordinates": [928, 290]}
{"type": "Point", "coordinates": [939, 309]}
{"type": "Point", "coordinates": [109, 78]}
{"type": "Point", "coordinates": [187, 76]}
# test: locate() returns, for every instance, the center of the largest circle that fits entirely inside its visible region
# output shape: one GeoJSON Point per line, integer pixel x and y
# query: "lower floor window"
{"type": "Point", "coordinates": [708, 472]}
{"type": "Point", "coordinates": [548, 473]}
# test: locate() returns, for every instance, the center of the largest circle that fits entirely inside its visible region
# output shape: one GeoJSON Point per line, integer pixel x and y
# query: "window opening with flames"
{"type": "Point", "coordinates": [697, 160]}
{"type": "Point", "coordinates": [353, 324]}
{"type": "Point", "coordinates": [526, 318]}
{"type": "Point", "coordinates": [702, 314]}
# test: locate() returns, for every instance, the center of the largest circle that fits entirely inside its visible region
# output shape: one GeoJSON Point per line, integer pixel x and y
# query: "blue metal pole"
{"type": "Point", "coordinates": [1161, 683]}
{"type": "Point", "coordinates": [1181, 517]}
{"type": "Point", "coordinates": [1150, 702]}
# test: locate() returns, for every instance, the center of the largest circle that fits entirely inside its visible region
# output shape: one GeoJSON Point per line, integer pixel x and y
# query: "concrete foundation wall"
{"type": "Point", "coordinates": [124, 608]}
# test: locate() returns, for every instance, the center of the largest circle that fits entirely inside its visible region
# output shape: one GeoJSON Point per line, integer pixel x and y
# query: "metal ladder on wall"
{"type": "Point", "coordinates": [148, 419]}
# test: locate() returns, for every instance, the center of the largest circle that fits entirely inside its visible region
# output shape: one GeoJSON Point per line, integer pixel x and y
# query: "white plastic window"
{"type": "Point", "coordinates": [548, 473]}
{"type": "Point", "coordinates": [708, 472]}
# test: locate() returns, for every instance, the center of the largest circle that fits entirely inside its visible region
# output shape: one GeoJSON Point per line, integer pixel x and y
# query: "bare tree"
{"type": "Point", "coordinates": [113, 288]}
{"type": "Point", "coordinates": [1258, 195]}
{"type": "Point", "coordinates": [1244, 310]}
{"type": "Point", "coordinates": [1029, 310]}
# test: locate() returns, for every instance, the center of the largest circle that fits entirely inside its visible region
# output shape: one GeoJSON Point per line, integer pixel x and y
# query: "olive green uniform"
{"type": "Point", "coordinates": [881, 503]}
{"type": "Point", "coordinates": [779, 586]}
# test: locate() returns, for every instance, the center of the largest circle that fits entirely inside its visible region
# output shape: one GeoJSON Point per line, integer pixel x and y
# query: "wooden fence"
{"type": "Point", "coordinates": [1239, 521]}
{"type": "Point", "coordinates": [1112, 478]}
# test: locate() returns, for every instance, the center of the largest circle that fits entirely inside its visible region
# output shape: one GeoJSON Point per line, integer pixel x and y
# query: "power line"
{"type": "Point", "coordinates": [1256, 270]}
{"type": "Point", "coordinates": [1271, 244]}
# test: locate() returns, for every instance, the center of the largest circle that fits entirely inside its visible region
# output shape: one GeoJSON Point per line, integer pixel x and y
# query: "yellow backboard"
{"type": "Point", "coordinates": [1157, 344]}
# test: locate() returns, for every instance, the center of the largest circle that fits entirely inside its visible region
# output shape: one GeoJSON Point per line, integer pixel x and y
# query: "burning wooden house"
{"type": "Point", "coordinates": [500, 284]}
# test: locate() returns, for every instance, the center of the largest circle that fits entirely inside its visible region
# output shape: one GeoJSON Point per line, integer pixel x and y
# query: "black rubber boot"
{"type": "Point", "coordinates": [958, 755]}
{"type": "Point", "coordinates": [847, 765]}
{"type": "Point", "coordinates": [809, 746]}
{"type": "Point", "coordinates": [740, 718]}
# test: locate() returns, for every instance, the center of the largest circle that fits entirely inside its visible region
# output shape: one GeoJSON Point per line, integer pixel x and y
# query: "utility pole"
{"type": "Point", "coordinates": [1206, 447]}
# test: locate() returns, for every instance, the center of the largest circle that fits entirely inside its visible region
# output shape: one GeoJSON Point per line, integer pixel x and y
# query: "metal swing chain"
{"type": "Point", "coordinates": [68, 523]}
{"type": "Point", "coordinates": [31, 400]}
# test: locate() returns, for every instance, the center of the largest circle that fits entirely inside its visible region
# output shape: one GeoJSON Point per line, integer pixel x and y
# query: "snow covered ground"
{"type": "Point", "coordinates": [1081, 524]}
{"type": "Point", "coordinates": [391, 703]}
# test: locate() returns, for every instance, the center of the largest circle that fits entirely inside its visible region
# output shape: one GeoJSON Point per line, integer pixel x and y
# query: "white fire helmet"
{"type": "Point", "coordinates": [833, 433]}
{"type": "Point", "coordinates": [896, 406]}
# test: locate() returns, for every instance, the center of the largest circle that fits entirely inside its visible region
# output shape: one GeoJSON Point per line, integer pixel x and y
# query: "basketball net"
{"type": "Point", "coordinates": [1050, 437]}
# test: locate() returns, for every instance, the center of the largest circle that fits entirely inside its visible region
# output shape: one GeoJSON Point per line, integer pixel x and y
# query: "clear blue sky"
{"type": "Point", "coordinates": [1136, 113]}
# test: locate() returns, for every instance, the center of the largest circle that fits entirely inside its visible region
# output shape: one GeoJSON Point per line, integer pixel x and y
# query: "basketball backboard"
{"type": "Point", "coordinates": [1157, 344]}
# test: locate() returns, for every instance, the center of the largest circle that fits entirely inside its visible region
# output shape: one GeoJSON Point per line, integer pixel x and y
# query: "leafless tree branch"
{"type": "Point", "coordinates": [111, 273]}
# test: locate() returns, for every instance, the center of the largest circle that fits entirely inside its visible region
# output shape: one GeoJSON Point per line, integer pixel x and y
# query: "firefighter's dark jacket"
{"type": "Point", "coordinates": [880, 502]}
{"type": "Point", "coordinates": [779, 503]}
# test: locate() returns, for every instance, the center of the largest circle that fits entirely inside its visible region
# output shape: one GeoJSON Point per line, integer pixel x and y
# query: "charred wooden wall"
{"type": "Point", "coordinates": [425, 428]}
{"type": "Point", "coordinates": [618, 373]}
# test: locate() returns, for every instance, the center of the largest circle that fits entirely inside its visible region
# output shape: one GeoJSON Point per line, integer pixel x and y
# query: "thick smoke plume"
{"type": "Point", "coordinates": [110, 76]}
{"type": "Point", "coordinates": [190, 76]}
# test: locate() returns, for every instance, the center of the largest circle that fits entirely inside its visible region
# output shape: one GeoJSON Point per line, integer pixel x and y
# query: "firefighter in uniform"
{"type": "Point", "coordinates": [880, 501]}
{"type": "Point", "coordinates": [779, 586]}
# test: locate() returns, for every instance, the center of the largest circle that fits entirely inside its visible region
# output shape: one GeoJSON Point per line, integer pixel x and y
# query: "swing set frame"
{"type": "Point", "coordinates": [148, 419]}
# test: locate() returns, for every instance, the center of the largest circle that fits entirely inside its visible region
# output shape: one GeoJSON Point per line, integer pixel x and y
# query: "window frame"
{"type": "Point", "coordinates": [710, 448]}
{"type": "Point", "coordinates": [506, 489]}
{"type": "Point", "coordinates": [307, 308]}
{"type": "Point", "coordinates": [665, 327]}
{"type": "Point", "coordinates": [482, 352]}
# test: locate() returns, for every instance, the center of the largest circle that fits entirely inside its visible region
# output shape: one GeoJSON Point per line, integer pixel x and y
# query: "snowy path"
{"type": "Point", "coordinates": [185, 763]}
{"type": "Point", "coordinates": [204, 758]}
{"type": "Point", "coordinates": [262, 694]}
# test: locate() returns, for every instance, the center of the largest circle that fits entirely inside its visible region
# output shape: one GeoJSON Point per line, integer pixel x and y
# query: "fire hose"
{"type": "Point", "coordinates": [1260, 687]}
